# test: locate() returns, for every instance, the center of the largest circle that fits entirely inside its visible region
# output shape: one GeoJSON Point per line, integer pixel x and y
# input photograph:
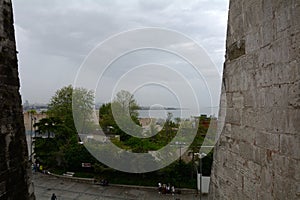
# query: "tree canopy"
{"type": "Point", "coordinates": [120, 116]}
{"type": "Point", "coordinates": [67, 101]}
{"type": "Point", "coordinates": [64, 150]}
{"type": "Point", "coordinates": [127, 102]}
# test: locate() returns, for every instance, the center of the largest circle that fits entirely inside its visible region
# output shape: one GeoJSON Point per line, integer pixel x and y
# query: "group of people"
{"type": "Point", "coordinates": [166, 188]}
{"type": "Point", "coordinates": [103, 182]}
{"type": "Point", "coordinates": [37, 167]}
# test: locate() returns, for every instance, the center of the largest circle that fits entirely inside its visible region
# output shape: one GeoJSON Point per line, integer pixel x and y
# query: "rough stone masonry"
{"type": "Point", "coordinates": [15, 182]}
{"type": "Point", "coordinates": [258, 153]}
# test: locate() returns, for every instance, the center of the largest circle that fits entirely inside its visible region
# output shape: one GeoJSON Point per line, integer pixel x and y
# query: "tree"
{"type": "Point", "coordinates": [168, 124]}
{"type": "Point", "coordinates": [62, 103]}
{"type": "Point", "coordinates": [63, 149]}
{"type": "Point", "coordinates": [60, 106]}
{"type": "Point", "coordinates": [120, 116]}
{"type": "Point", "coordinates": [47, 125]}
{"type": "Point", "coordinates": [177, 121]}
{"type": "Point", "coordinates": [127, 103]}
{"type": "Point", "coordinates": [83, 109]}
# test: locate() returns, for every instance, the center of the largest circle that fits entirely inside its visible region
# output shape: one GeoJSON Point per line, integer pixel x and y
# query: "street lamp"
{"type": "Point", "coordinates": [32, 119]}
{"type": "Point", "coordinates": [49, 127]}
{"type": "Point", "coordinates": [180, 145]}
{"type": "Point", "coordinates": [199, 180]}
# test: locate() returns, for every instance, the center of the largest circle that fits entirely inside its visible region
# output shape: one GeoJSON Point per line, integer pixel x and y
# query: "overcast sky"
{"type": "Point", "coordinates": [54, 37]}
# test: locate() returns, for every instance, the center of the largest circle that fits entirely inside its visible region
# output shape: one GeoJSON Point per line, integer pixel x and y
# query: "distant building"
{"type": "Point", "coordinates": [30, 119]}
{"type": "Point", "coordinates": [146, 121]}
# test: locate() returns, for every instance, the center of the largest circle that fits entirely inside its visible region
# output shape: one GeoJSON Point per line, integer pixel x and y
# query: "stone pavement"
{"type": "Point", "coordinates": [45, 185]}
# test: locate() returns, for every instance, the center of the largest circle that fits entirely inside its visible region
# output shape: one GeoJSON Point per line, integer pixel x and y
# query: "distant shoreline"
{"type": "Point", "coordinates": [160, 108]}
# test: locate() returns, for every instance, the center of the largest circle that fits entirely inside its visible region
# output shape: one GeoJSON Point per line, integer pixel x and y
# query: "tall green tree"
{"type": "Point", "coordinates": [64, 148]}
{"type": "Point", "coordinates": [60, 106]}
{"type": "Point", "coordinates": [48, 125]}
{"type": "Point", "coordinates": [67, 101]}
{"type": "Point", "coordinates": [123, 110]}
{"type": "Point", "coordinates": [127, 103]}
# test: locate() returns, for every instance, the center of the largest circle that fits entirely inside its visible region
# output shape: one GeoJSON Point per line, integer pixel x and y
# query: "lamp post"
{"type": "Point", "coordinates": [32, 119]}
{"type": "Point", "coordinates": [180, 144]}
{"type": "Point", "coordinates": [201, 155]}
{"type": "Point", "coordinates": [30, 137]}
{"type": "Point", "coordinates": [49, 127]}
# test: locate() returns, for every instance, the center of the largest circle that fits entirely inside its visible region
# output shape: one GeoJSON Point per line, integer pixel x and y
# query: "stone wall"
{"type": "Point", "coordinates": [15, 182]}
{"type": "Point", "coordinates": [258, 154]}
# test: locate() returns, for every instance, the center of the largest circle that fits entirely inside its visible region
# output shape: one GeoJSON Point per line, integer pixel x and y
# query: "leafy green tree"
{"type": "Point", "coordinates": [127, 103]}
{"type": "Point", "coordinates": [169, 124]}
{"type": "Point", "coordinates": [60, 106]}
{"type": "Point", "coordinates": [106, 119]}
{"type": "Point", "coordinates": [123, 110]}
{"type": "Point", "coordinates": [177, 121]}
{"type": "Point", "coordinates": [83, 109]}
{"type": "Point", "coordinates": [32, 112]}
{"type": "Point", "coordinates": [68, 101]}
{"type": "Point", "coordinates": [64, 150]}
{"type": "Point", "coordinates": [48, 125]}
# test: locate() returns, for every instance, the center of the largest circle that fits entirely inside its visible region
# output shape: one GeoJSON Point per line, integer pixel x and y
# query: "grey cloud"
{"type": "Point", "coordinates": [55, 36]}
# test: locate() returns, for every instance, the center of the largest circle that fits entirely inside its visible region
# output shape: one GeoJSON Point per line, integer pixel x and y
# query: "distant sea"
{"type": "Point", "coordinates": [183, 114]}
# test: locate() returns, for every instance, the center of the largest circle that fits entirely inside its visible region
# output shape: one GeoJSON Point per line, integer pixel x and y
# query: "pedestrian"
{"type": "Point", "coordinates": [173, 189]}
{"type": "Point", "coordinates": [164, 189]}
{"type": "Point", "coordinates": [34, 167]}
{"type": "Point", "coordinates": [159, 188]}
{"type": "Point", "coordinates": [168, 188]}
{"type": "Point", "coordinates": [53, 197]}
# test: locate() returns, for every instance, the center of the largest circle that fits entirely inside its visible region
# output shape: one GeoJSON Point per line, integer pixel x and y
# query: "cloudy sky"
{"type": "Point", "coordinates": [54, 38]}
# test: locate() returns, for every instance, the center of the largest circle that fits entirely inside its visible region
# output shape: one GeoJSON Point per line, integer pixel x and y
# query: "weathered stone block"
{"type": "Point", "coordinates": [250, 98]}
{"type": "Point", "coordinates": [279, 120]}
{"type": "Point", "coordinates": [267, 140]}
{"type": "Point", "coordinates": [294, 50]}
{"type": "Point", "coordinates": [252, 15]}
{"type": "Point", "coordinates": [282, 17]}
{"type": "Point", "coordinates": [289, 145]}
{"type": "Point", "coordinates": [280, 48]}
{"type": "Point", "coordinates": [233, 116]}
{"type": "Point", "coordinates": [264, 57]}
{"type": "Point", "coordinates": [263, 76]}
{"type": "Point", "coordinates": [260, 156]}
{"type": "Point", "coordinates": [267, 32]}
{"type": "Point", "coordinates": [253, 41]}
{"type": "Point", "coordinates": [267, 8]}
{"type": "Point", "coordinates": [263, 119]}
{"type": "Point", "coordinates": [244, 133]}
{"type": "Point", "coordinates": [237, 100]}
{"type": "Point", "coordinates": [246, 150]}
{"type": "Point", "coordinates": [249, 117]}
{"type": "Point", "coordinates": [265, 195]}
{"type": "Point", "coordinates": [250, 187]}
{"type": "Point", "coordinates": [292, 124]}
{"type": "Point", "coordinates": [284, 188]}
{"type": "Point", "coordinates": [267, 179]}
{"type": "Point", "coordinates": [294, 95]}
{"type": "Point", "coordinates": [286, 167]}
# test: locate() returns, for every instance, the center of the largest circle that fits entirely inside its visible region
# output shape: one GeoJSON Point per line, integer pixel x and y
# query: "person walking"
{"type": "Point", "coordinates": [53, 197]}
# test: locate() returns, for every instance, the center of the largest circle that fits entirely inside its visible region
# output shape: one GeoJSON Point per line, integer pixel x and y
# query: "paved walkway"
{"type": "Point", "coordinates": [45, 185]}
